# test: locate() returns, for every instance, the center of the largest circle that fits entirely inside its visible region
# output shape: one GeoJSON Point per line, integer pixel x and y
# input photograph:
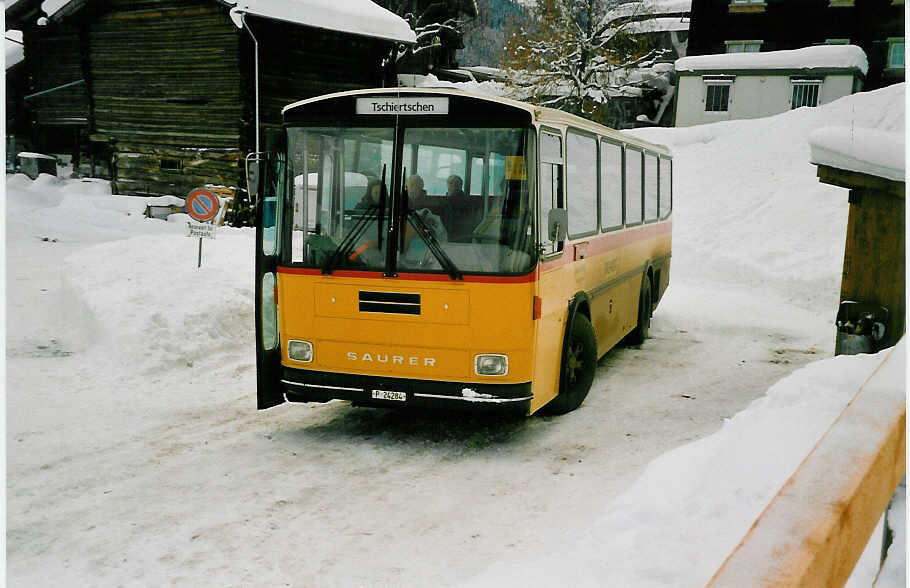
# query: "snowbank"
{"type": "Point", "coordinates": [675, 525]}
{"type": "Point", "coordinates": [821, 56]}
{"type": "Point", "coordinates": [868, 151]}
{"type": "Point", "coordinates": [748, 203]}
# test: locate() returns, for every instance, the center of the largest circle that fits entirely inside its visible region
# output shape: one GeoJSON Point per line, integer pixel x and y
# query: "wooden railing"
{"type": "Point", "coordinates": [817, 526]}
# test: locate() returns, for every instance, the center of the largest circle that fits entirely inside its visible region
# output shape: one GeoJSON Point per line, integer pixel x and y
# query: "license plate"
{"type": "Point", "coordinates": [389, 395]}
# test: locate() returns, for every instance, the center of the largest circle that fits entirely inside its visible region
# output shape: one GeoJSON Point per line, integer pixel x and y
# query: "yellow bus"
{"type": "Point", "coordinates": [435, 248]}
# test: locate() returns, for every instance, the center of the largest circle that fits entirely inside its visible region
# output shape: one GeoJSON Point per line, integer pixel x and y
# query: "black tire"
{"type": "Point", "coordinates": [579, 365]}
{"type": "Point", "coordinates": [640, 333]}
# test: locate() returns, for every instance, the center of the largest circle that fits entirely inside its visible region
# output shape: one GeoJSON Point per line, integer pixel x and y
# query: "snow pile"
{"type": "Point", "coordinates": [488, 88]}
{"type": "Point", "coordinates": [677, 523]}
{"type": "Point", "coordinates": [359, 17]}
{"type": "Point", "coordinates": [748, 204]}
{"type": "Point", "coordinates": [821, 56]}
{"type": "Point", "coordinates": [868, 151]}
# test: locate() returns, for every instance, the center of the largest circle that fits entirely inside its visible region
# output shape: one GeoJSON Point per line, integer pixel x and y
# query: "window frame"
{"type": "Point", "coordinates": [796, 82]}
{"type": "Point", "coordinates": [622, 184]}
{"type": "Point", "coordinates": [718, 81]}
{"type": "Point", "coordinates": [743, 43]}
{"type": "Point", "coordinates": [754, 6]}
{"type": "Point", "coordinates": [641, 186]}
{"type": "Point", "coordinates": [644, 186]}
{"type": "Point", "coordinates": [541, 161]}
{"type": "Point", "coordinates": [589, 135]}
{"type": "Point", "coordinates": [892, 43]}
{"type": "Point", "coordinates": [661, 158]}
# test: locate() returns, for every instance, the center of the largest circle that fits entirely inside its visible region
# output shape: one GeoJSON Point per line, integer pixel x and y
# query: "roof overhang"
{"type": "Point", "coordinates": [356, 17]}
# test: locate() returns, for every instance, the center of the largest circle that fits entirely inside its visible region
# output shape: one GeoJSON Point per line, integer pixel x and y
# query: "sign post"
{"type": "Point", "coordinates": [202, 206]}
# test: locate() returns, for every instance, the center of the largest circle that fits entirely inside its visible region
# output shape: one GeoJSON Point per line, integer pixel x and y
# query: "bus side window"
{"type": "Point", "coordinates": [633, 186]}
{"type": "Point", "coordinates": [550, 187]}
{"type": "Point", "coordinates": [650, 187]}
{"type": "Point", "coordinates": [476, 176]}
{"type": "Point", "coordinates": [611, 201]}
{"type": "Point", "coordinates": [666, 187]}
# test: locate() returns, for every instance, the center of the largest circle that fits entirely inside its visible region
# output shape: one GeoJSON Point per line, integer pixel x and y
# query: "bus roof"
{"type": "Point", "coordinates": [539, 114]}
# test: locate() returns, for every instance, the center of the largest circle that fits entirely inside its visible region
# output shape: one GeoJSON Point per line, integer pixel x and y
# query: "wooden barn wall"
{"type": "Point", "coordinates": [297, 62]}
{"type": "Point", "coordinates": [54, 57]}
{"type": "Point", "coordinates": [167, 90]}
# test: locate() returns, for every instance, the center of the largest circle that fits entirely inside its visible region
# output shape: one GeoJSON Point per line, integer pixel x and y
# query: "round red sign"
{"type": "Point", "coordinates": [202, 205]}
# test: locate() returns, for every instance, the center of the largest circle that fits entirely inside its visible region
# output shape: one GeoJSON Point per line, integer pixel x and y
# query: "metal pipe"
{"type": "Point", "coordinates": [42, 92]}
{"type": "Point", "coordinates": [255, 72]}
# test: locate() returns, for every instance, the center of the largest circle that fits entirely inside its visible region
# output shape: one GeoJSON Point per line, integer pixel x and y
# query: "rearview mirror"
{"type": "Point", "coordinates": [252, 175]}
{"type": "Point", "coordinates": [557, 224]}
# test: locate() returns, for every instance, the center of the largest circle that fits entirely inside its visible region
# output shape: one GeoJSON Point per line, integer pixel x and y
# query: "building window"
{"type": "Point", "coordinates": [895, 53]}
{"type": "Point", "coordinates": [805, 93]}
{"type": "Point", "coordinates": [743, 46]}
{"type": "Point", "coordinates": [747, 5]}
{"type": "Point", "coordinates": [171, 165]}
{"type": "Point", "coordinates": [717, 92]}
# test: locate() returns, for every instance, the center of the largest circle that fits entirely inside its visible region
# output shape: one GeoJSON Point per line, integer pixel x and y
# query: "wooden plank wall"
{"type": "Point", "coordinates": [302, 62]}
{"type": "Point", "coordinates": [53, 57]}
{"type": "Point", "coordinates": [167, 89]}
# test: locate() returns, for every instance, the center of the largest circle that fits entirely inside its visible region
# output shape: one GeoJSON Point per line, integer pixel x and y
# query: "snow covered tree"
{"type": "Point", "coordinates": [577, 54]}
{"type": "Point", "coordinates": [439, 28]}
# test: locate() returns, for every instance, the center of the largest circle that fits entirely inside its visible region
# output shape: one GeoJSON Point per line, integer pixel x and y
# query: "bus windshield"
{"type": "Point", "coordinates": [464, 203]}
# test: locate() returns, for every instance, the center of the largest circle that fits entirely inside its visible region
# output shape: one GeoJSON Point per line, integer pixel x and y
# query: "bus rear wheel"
{"type": "Point", "coordinates": [578, 367]}
{"type": "Point", "coordinates": [642, 329]}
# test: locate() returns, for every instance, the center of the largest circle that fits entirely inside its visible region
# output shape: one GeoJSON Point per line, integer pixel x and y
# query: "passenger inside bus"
{"type": "Point", "coordinates": [371, 196]}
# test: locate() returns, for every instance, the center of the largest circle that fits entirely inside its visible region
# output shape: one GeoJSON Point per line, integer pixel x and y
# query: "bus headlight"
{"type": "Point", "coordinates": [491, 364]}
{"type": "Point", "coordinates": [300, 350]}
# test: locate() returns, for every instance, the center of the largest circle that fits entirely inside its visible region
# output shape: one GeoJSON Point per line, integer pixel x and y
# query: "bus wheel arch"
{"type": "Point", "coordinates": [642, 329]}
{"type": "Point", "coordinates": [578, 361]}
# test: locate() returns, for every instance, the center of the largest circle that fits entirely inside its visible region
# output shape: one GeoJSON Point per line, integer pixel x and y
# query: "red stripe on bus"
{"type": "Point", "coordinates": [373, 275]}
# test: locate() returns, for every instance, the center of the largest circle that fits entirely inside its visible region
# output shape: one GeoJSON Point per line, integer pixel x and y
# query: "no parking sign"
{"type": "Point", "coordinates": [202, 206]}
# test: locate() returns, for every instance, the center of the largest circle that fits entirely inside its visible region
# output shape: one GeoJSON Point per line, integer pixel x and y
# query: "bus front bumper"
{"type": "Point", "coordinates": [379, 391]}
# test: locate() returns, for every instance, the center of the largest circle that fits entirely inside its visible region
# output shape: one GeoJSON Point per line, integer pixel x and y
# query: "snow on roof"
{"type": "Point", "coordinates": [50, 7]}
{"type": "Point", "coordinates": [649, 7]}
{"type": "Point", "coordinates": [659, 25]}
{"type": "Point", "coordinates": [359, 17]}
{"type": "Point", "coordinates": [821, 56]}
{"type": "Point", "coordinates": [867, 151]}
{"type": "Point", "coordinates": [15, 52]}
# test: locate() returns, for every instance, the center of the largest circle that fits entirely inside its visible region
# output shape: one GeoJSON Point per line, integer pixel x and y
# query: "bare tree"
{"type": "Point", "coordinates": [577, 54]}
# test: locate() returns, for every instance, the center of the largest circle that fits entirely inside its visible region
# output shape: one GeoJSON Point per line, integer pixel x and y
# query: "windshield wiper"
{"type": "Point", "coordinates": [433, 245]}
{"type": "Point", "coordinates": [347, 244]}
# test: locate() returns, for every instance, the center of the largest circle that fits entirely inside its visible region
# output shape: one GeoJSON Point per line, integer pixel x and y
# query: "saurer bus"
{"type": "Point", "coordinates": [435, 248]}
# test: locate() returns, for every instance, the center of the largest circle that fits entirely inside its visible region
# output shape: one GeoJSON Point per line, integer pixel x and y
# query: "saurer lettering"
{"type": "Point", "coordinates": [393, 359]}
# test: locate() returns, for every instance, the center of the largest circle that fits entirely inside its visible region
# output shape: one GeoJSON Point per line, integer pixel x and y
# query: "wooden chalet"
{"type": "Point", "coordinates": [160, 94]}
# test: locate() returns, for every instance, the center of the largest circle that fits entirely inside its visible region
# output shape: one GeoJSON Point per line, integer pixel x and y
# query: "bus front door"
{"type": "Point", "coordinates": [269, 203]}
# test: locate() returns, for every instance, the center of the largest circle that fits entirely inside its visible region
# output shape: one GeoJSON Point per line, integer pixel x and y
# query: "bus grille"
{"type": "Point", "coordinates": [389, 302]}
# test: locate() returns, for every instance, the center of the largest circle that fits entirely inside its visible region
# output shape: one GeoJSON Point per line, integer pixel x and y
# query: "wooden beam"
{"type": "Point", "coordinates": [851, 179]}
{"type": "Point", "coordinates": [816, 527]}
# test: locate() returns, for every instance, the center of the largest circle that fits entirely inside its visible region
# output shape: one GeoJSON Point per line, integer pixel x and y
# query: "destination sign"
{"type": "Point", "coordinates": [404, 105]}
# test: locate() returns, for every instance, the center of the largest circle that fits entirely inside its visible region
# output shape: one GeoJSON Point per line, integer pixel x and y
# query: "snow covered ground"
{"type": "Point", "coordinates": [136, 457]}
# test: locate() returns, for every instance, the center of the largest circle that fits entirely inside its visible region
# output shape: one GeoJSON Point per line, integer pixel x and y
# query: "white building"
{"type": "Point", "coordinates": [730, 86]}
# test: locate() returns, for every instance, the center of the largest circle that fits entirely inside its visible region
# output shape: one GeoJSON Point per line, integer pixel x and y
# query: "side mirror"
{"type": "Point", "coordinates": [252, 175]}
{"type": "Point", "coordinates": [557, 224]}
